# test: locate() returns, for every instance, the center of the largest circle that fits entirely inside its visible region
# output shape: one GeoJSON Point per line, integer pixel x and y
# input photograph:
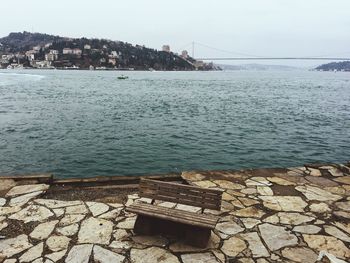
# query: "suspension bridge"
{"type": "Point", "coordinates": [230, 55]}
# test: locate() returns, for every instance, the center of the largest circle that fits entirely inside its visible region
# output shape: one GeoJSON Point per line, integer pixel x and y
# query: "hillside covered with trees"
{"type": "Point", "coordinates": [48, 51]}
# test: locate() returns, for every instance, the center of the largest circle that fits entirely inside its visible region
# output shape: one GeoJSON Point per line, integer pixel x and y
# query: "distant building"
{"type": "Point", "coordinates": [37, 48]}
{"type": "Point", "coordinates": [30, 54]}
{"type": "Point", "coordinates": [67, 51]}
{"type": "Point", "coordinates": [51, 57]}
{"type": "Point", "coordinates": [114, 54]}
{"type": "Point", "coordinates": [48, 45]}
{"type": "Point", "coordinates": [77, 51]}
{"type": "Point", "coordinates": [54, 51]}
{"type": "Point", "coordinates": [87, 47]}
{"type": "Point", "coordinates": [184, 54]}
{"type": "Point", "coordinates": [112, 61]}
{"type": "Point", "coordinates": [166, 48]}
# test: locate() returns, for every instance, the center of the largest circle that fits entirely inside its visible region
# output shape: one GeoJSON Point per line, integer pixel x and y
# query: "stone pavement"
{"type": "Point", "coordinates": [267, 215]}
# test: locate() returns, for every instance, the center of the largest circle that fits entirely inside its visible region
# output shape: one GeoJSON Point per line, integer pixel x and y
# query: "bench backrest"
{"type": "Point", "coordinates": [180, 193]}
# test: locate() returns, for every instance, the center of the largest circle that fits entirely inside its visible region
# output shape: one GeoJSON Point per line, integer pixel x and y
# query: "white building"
{"type": "Point", "coordinates": [166, 48]}
{"type": "Point", "coordinates": [87, 47]}
{"type": "Point", "coordinates": [77, 51]}
{"type": "Point", "coordinates": [37, 48]}
{"type": "Point", "coordinates": [67, 51]}
{"type": "Point", "coordinates": [184, 54]}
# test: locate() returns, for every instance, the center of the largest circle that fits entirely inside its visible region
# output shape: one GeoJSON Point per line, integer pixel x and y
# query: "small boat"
{"type": "Point", "coordinates": [123, 77]}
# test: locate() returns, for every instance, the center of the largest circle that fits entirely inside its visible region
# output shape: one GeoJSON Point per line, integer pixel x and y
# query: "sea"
{"type": "Point", "coordinates": [90, 123]}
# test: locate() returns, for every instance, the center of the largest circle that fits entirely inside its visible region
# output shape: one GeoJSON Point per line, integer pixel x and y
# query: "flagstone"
{"type": "Point", "coordinates": [32, 213]}
{"type": "Point", "coordinates": [152, 255]}
{"type": "Point", "coordinates": [300, 254]}
{"type": "Point", "coordinates": [7, 184]}
{"type": "Point", "coordinates": [250, 222]}
{"type": "Point", "coordinates": [188, 208]}
{"type": "Point", "coordinates": [280, 181]}
{"type": "Point", "coordinates": [52, 203]}
{"type": "Point", "coordinates": [307, 229]}
{"type": "Point", "coordinates": [284, 203]}
{"type": "Point", "coordinates": [249, 191]}
{"type": "Point", "coordinates": [56, 256]}
{"type": "Point", "coordinates": [335, 172]}
{"type": "Point", "coordinates": [321, 181]}
{"type": "Point", "coordinates": [2, 201]}
{"type": "Point", "coordinates": [25, 189]}
{"type": "Point", "coordinates": [333, 231]}
{"type": "Point", "coordinates": [192, 176]}
{"type": "Point", "coordinates": [276, 237]}
{"type": "Point", "coordinates": [6, 210]}
{"type": "Point", "coordinates": [228, 184]}
{"type": "Point", "coordinates": [320, 208]}
{"type": "Point", "coordinates": [293, 218]}
{"type": "Point", "coordinates": [315, 193]}
{"type": "Point", "coordinates": [121, 246]}
{"type": "Point", "coordinates": [249, 212]}
{"type": "Point", "coordinates": [342, 214]}
{"type": "Point", "coordinates": [343, 226]}
{"type": "Point", "coordinates": [314, 172]}
{"type": "Point", "coordinates": [95, 230]}
{"type": "Point", "coordinates": [57, 243]}
{"type": "Point", "coordinates": [3, 225]}
{"type": "Point", "coordinates": [199, 258]}
{"type": "Point", "coordinates": [264, 190]}
{"type": "Point", "coordinates": [111, 214]}
{"type": "Point", "coordinates": [71, 219]}
{"type": "Point", "coordinates": [32, 253]}
{"type": "Point", "coordinates": [229, 228]}
{"type": "Point", "coordinates": [128, 223]}
{"type": "Point", "coordinates": [77, 209]}
{"type": "Point", "coordinates": [343, 179]}
{"type": "Point", "coordinates": [13, 246]}
{"type": "Point", "coordinates": [328, 243]}
{"type": "Point", "coordinates": [58, 211]}
{"type": "Point", "coordinates": [233, 246]}
{"type": "Point", "coordinates": [79, 254]}
{"type": "Point", "coordinates": [97, 208]}
{"type": "Point", "coordinates": [158, 241]}
{"type": "Point", "coordinates": [204, 184]}
{"type": "Point", "coordinates": [23, 199]}
{"type": "Point", "coordinates": [43, 230]}
{"type": "Point", "coordinates": [120, 234]}
{"type": "Point", "coordinates": [103, 255]}
{"type": "Point", "coordinates": [343, 205]}
{"type": "Point", "coordinates": [248, 201]}
{"type": "Point", "coordinates": [257, 181]}
{"type": "Point", "coordinates": [69, 230]}
{"type": "Point", "coordinates": [255, 245]}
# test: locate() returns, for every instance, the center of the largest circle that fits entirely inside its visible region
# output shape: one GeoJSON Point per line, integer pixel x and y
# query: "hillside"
{"type": "Point", "coordinates": [48, 51]}
{"type": "Point", "coordinates": [335, 66]}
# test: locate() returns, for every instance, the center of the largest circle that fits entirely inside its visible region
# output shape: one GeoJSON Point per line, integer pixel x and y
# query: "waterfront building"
{"type": "Point", "coordinates": [166, 48]}
{"type": "Point", "coordinates": [77, 51]}
{"type": "Point", "coordinates": [67, 51]}
{"type": "Point", "coordinates": [184, 54]}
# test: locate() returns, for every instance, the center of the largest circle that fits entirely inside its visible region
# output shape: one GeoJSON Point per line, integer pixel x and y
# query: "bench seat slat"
{"type": "Point", "coordinates": [182, 201]}
{"type": "Point", "coordinates": [206, 217]}
{"type": "Point", "coordinates": [172, 215]}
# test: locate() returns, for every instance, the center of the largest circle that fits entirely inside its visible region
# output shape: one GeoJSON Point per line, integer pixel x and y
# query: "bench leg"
{"type": "Point", "coordinates": [197, 236]}
{"type": "Point", "coordinates": [144, 225]}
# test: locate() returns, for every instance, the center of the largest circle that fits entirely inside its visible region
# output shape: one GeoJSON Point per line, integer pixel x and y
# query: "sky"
{"type": "Point", "coordinates": [253, 27]}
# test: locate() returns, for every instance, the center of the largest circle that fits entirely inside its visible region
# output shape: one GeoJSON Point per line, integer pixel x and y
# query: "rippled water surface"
{"type": "Point", "coordinates": [87, 123]}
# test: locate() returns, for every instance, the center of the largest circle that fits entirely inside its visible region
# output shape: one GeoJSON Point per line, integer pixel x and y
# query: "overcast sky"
{"type": "Point", "coordinates": [258, 27]}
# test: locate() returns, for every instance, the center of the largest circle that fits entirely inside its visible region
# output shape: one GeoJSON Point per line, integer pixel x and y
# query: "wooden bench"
{"type": "Point", "coordinates": [156, 219]}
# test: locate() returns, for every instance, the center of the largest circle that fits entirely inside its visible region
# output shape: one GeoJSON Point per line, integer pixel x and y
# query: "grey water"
{"type": "Point", "coordinates": [89, 123]}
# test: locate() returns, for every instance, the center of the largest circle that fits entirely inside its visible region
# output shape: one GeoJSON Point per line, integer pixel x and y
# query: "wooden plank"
{"type": "Point", "coordinates": [182, 199]}
{"type": "Point", "coordinates": [178, 193]}
{"type": "Point", "coordinates": [211, 218]}
{"type": "Point", "coordinates": [180, 185]}
{"type": "Point", "coordinates": [173, 215]}
{"type": "Point", "coordinates": [185, 202]}
{"type": "Point", "coordinates": [183, 191]}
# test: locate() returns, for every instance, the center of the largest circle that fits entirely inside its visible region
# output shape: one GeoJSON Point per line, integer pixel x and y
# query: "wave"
{"type": "Point", "coordinates": [26, 75]}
